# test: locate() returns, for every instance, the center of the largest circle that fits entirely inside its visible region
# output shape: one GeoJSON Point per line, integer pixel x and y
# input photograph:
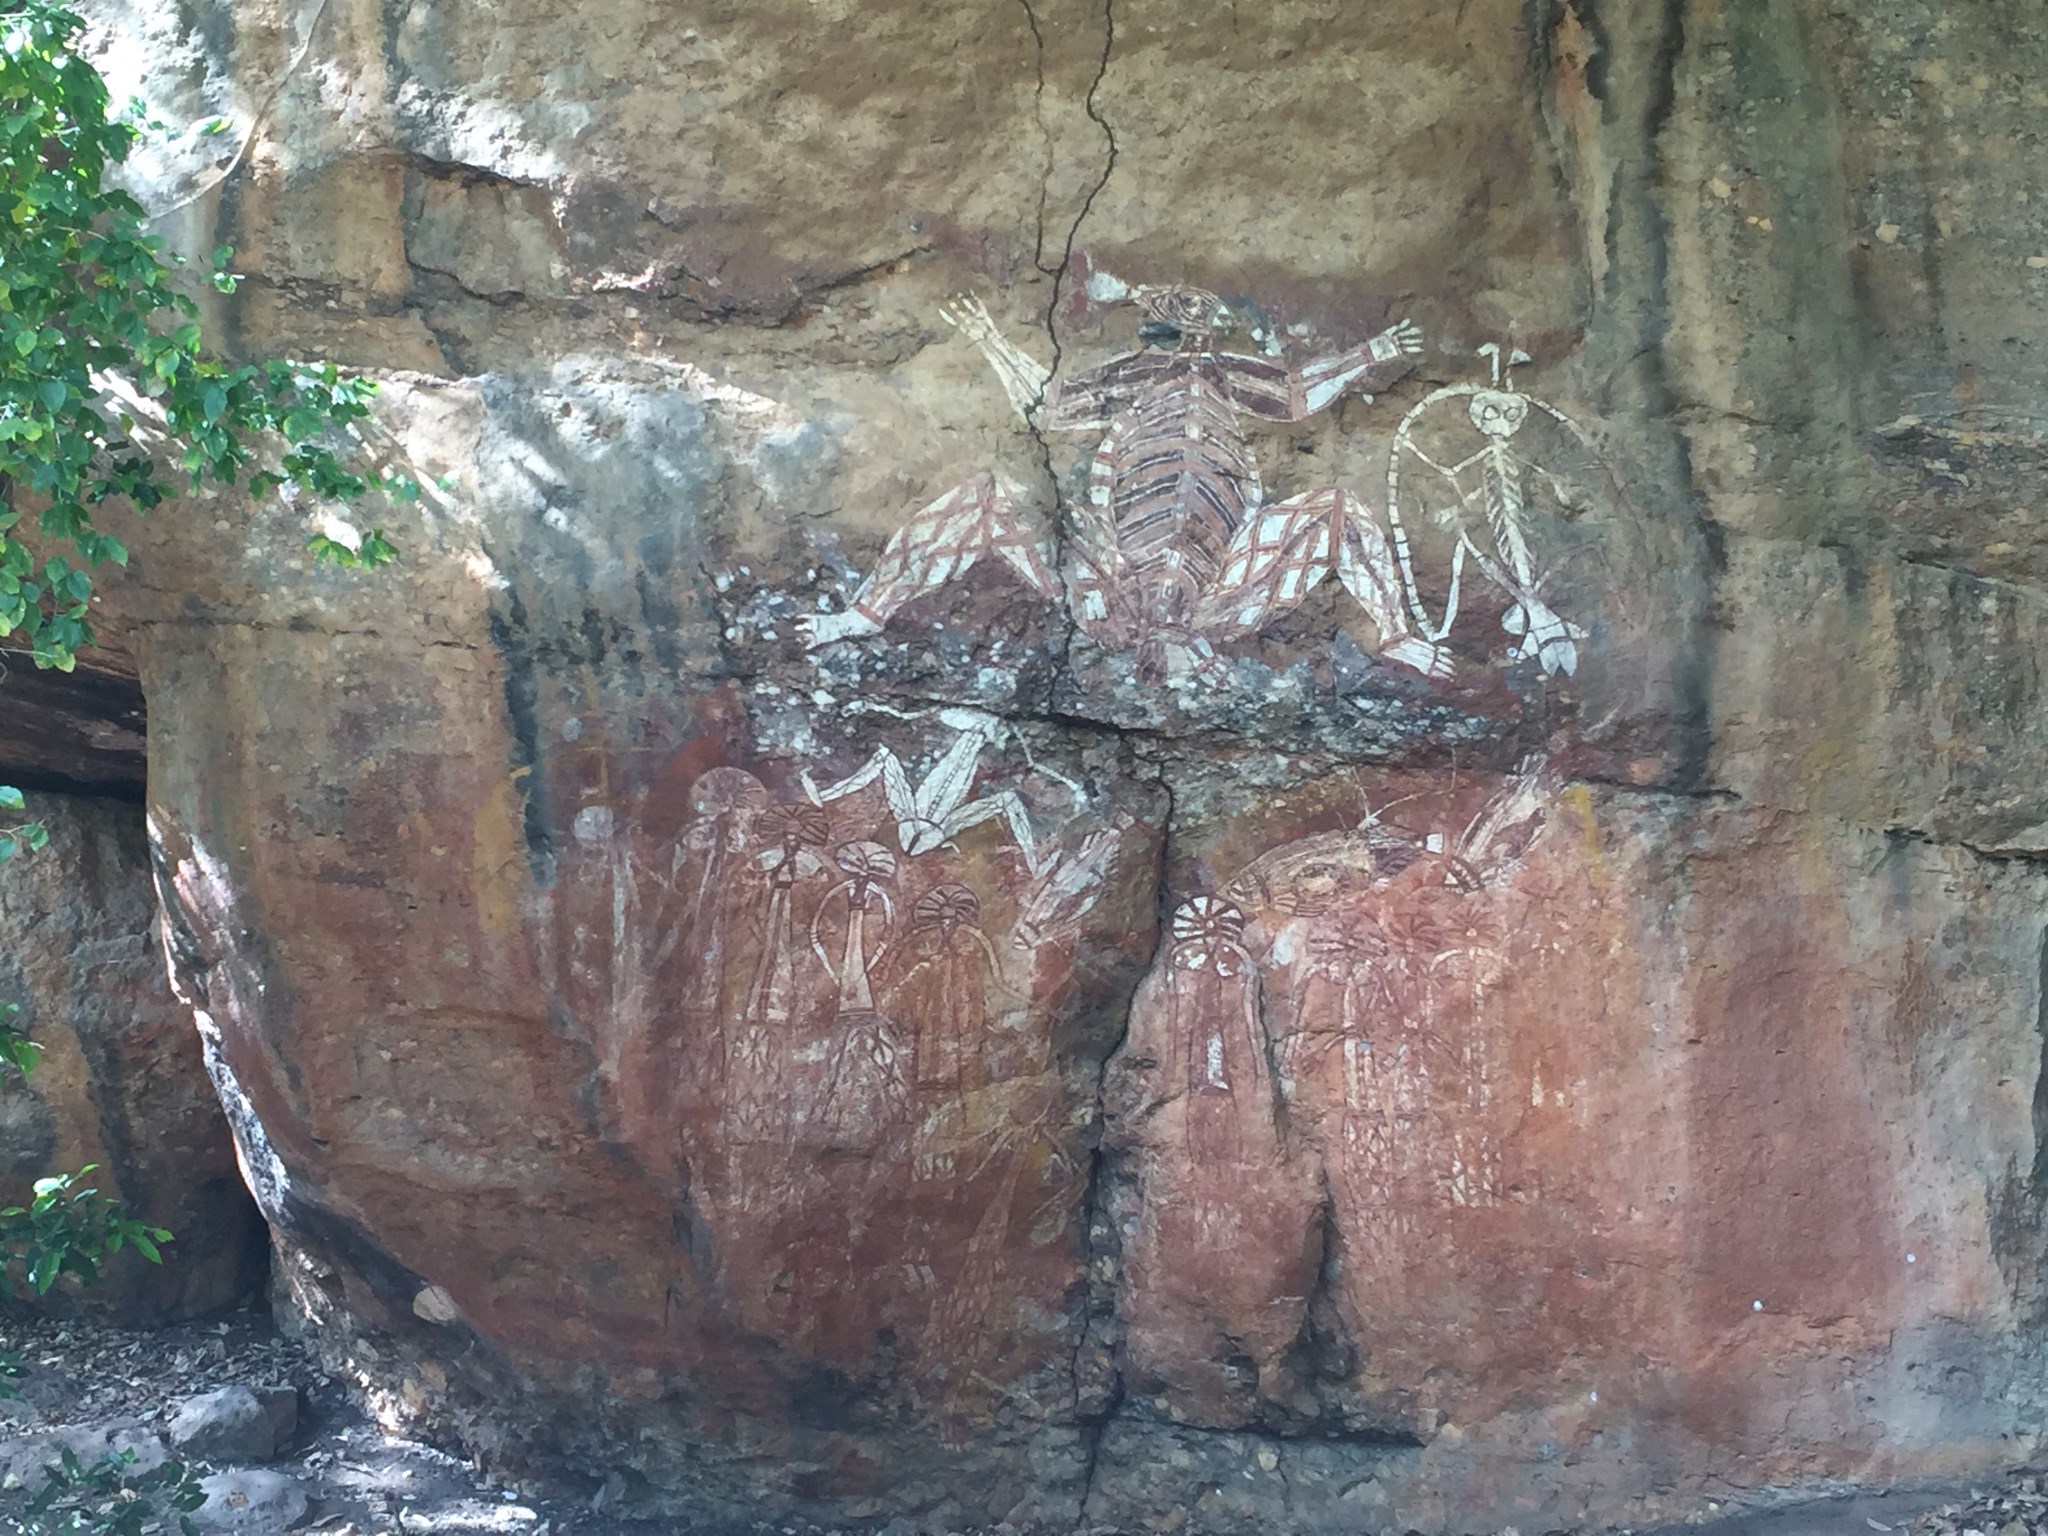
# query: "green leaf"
{"type": "Point", "coordinates": [11, 799]}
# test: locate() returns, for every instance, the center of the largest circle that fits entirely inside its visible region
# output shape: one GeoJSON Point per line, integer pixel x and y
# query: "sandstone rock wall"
{"type": "Point", "coordinates": [120, 1082]}
{"type": "Point", "coordinates": [1230, 955]}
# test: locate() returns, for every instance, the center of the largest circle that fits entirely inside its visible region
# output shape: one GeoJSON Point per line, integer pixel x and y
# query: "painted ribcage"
{"type": "Point", "coordinates": [1182, 482]}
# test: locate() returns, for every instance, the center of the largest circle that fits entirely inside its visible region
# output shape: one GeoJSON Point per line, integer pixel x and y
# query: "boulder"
{"type": "Point", "coordinates": [846, 938]}
{"type": "Point", "coordinates": [228, 1424]}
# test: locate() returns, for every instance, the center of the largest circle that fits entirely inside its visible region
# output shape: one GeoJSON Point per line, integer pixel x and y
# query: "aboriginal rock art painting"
{"type": "Point", "coordinates": [842, 972]}
{"type": "Point", "coordinates": [1321, 1044]}
{"type": "Point", "coordinates": [1325, 1047]}
{"type": "Point", "coordinates": [847, 960]}
{"type": "Point", "coordinates": [1176, 545]}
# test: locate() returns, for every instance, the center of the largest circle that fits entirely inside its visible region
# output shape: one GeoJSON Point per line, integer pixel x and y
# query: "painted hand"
{"type": "Point", "coordinates": [1406, 336]}
{"type": "Point", "coordinates": [970, 317]}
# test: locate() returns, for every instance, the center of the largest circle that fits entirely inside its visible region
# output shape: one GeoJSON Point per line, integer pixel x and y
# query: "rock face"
{"type": "Point", "coordinates": [120, 1082]}
{"type": "Point", "coordinates": [1304, 923]}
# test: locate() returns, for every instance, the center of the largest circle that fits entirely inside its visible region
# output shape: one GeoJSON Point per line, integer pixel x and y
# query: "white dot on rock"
{"type": "Point", "coordinates": [1756, 1306]}
{"type": "Point", "coordinates": [1912, 1258]}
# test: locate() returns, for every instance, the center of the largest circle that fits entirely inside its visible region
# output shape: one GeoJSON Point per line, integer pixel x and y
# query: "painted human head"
{"type": "Point", "coordinates": [1498, 413]}
{"type": "Point", "coordinates": [1177, 315]}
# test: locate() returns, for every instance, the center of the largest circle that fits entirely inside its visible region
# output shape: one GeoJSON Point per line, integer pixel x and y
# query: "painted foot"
{"type": "Point", "coordinates": [824, 628]}
{"type": "Point", "coordinates": [1432, 661]}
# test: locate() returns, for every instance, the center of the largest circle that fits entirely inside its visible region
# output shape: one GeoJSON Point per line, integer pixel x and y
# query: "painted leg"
{"type": "Point", "coordinates": [1007, 805]}
{"type": "Point", "coordinates": [1283, 552]}
{"type": "Point", "coordinates": [915, 831]}
{"type": "Point", "coordinates": [1366, 566]}
{"type": "Point", "coordinates": [1547, 637]}
{"type": "Point", "coordinates": [942, 541]}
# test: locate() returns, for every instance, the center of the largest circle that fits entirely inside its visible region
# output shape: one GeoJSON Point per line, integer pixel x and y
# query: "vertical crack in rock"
{"type": "Point", "coordinates": [1059, 276]}
{"type": "Point", "coordinates": [1103, 1250]}
{"type": "Point", "coordinates": [1064, 644]}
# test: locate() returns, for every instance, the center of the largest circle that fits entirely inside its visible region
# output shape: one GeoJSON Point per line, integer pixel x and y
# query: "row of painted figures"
{"type": "Point", "coordinates": [1337, 987]}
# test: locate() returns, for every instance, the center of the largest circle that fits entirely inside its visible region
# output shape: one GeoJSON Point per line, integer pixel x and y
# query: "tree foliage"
{"type": "Point", "coordinates": [106, 390]}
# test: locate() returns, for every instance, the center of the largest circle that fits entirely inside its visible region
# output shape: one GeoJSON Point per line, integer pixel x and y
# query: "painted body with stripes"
{"type": "Point", "coordinates": [1176, 546]}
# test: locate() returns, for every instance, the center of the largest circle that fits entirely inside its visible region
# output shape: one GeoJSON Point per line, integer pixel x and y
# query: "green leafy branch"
{"type": "Point", "coordinates": [70, 1228]}
{"type": "Point", "coordinates": [104, 379]}
{"type": "Point", "coordinates": [24, 836]}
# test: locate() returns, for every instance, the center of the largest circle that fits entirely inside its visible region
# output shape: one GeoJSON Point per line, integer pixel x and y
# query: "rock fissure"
{"type": "Point", "coordinates": [503, 298]}
{"type": "Point", "coordinates": [1063, 646]}
{"type": "Point", "coordinates": [298, 624]}
{"type": "Point", "coordinates": [1990, 853]}
{"type": "Point", "coordinates": [1103, 1243]}
{"type": "Point", "coordinates": [2033, 590]}
{"type": "Point", "coordinates": [467, 173]}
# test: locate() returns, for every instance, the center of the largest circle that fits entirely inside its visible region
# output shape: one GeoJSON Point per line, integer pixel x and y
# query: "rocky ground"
{"type": "Point", "coordinates": [331, 1469]}
{"type": "Point", "coordinates": [319, 1462]}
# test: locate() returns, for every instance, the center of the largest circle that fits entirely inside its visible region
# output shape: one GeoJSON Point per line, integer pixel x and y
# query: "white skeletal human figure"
{"type": "Point", "coordinates": [1492, 489]}
{"type": "Point", "coordinates": [934, 811]}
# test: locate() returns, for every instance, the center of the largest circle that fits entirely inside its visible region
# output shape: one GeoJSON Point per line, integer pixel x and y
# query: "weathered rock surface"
{"type": "Point", "coordinates": [78, 732]}
{"type": "Point", "coordinates": [247, 1501]}
{"type": "Point", "coordinates": [1107, 1038]}
{"type": "Point", "coordinates": [23, 1458]}
{"type": "Point", "coordinates": [120, 1083]}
